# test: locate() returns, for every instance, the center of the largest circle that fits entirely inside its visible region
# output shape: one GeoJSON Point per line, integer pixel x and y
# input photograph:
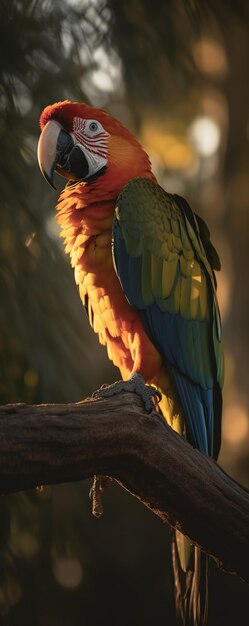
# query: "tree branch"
{"type": "Point", "coordinates": [48, 444]}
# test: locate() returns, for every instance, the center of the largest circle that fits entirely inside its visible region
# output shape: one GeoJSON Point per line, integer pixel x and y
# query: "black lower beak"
{"type": "Point", "coordinates": [70, 160]}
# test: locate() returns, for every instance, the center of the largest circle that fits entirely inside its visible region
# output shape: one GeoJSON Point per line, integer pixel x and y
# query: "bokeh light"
{"type": "Point", "coordinates": [205, 135]}
{"type": "Point", "coordinates": [173, 151]}
{"type": "Point", "coordinates": [235, 424]}
{"type": "Point", "coordinates": [68, 572]}
{"type": "Point", "coordinates": [210, 57]}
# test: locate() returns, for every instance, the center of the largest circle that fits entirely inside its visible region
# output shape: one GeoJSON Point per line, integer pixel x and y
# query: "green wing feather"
{"type": "Point", "coordinates": [176, 261]}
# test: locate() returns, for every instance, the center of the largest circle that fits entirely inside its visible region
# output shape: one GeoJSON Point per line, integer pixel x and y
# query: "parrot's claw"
{"type": "Point", "coordinates": [136, 385]}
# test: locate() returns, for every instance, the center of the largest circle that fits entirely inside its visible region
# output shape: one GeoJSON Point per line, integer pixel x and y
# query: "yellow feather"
{"type": "Point", "coordinates": [164, 223]}
{"type": "Point", "coordinates": [197, 244]}
{"type": "Point", "coordinates": [79, 275]}
{"type": "Point", "coordinates": [195, 296]}
{"type": "Point", "coordinates": [185, 297]}
{"type": "Point", "coordinates": [97, 325]}
{"type": "Point", "coordinates": [168, 276]}
{"type": "Point", "coordinates": [156, 275]}
{"type": "Point", "coordinates": [203, 298]}
{"type": "Point", "coordinates": [90, 313]}
{"type": "Point", "coordinates": [177, 295]}
{"type": "Point", "coordinates": [189, 254]}
{"type": "Point", "coordinates": [171, 243]}
{"type": "Point", "coordinates": [172, 303]}
{"type": "Point", "coordinates": [185, 267]}
{"type": "Point", "coordinates": [175, 228]}
{"type": "Point", "coordinates": [146, 278]}
{"type": "Point", "coordinates": [113, 328]}
{"type": "Point", "coordinates": [185, 239]}
{"type": "Point", "coordinates": [177, 243]}
{"type": "Point", "coordinates": [164, 250]}
{"type": "Point", "coordinates": [81, 239]}
{"type": "Point", "coordinates": [102, 338]}
{"type": "Point", "coordinates": [76, 256]}
{"type": "Point", "coordinates": [108, 316]}
{"type": "Point", "coordinates": [82, 293]}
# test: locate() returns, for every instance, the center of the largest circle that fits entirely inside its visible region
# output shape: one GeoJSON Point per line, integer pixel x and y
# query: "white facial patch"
{"type": "Point", "coordinates": [91, 138]}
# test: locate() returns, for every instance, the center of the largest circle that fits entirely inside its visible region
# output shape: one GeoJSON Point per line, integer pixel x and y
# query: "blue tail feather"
{"type": "Point", "coordinates": [197, 406]}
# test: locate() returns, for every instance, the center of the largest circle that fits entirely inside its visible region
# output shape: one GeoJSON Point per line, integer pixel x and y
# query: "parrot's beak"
{"type": "Point", "coordinates": [56, 151]}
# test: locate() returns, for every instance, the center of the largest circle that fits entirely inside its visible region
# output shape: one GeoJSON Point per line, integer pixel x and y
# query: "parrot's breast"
{"type": "Point", "coordinates": [87, 232]}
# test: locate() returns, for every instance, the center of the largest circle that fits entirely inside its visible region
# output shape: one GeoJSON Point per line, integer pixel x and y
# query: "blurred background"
{"type": "Point", "coordinates": [176, 73]}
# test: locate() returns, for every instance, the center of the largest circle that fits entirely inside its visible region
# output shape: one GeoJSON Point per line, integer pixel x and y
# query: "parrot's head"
{"type": "Point", "coordinates": [83, 143]}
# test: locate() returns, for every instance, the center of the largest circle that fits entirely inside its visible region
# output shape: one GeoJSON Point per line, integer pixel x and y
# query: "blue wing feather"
{"type": "Point", "coordinates": [197, 402]}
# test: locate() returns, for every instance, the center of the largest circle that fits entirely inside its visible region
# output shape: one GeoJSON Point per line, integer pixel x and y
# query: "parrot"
{"type": "Point", "coordinates": [145, 268]}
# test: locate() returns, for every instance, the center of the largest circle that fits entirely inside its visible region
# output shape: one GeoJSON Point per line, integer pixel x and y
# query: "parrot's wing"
{"type": "Point", "coordinates": [164, 259]}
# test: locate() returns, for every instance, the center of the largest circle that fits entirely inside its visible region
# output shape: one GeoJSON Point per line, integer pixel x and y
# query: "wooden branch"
{"type": "Point", "coordinates": [60, 443]}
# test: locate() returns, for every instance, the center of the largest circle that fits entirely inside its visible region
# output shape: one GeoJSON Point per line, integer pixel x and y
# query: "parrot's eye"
{"type": "Point", "coordinates": [93, 126]}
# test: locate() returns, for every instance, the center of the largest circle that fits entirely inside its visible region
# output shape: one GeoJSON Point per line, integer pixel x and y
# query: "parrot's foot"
{"type": "Point", "coordinates": [100, 483]}
{"type": "Point", "coordinates": [136, 385]}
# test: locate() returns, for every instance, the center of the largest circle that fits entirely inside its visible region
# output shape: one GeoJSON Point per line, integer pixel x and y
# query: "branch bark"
{"type": "Point", "coordinates": [48, 444]}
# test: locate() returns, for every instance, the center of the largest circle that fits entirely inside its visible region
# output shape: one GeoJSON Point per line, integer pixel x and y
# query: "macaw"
{"type": "Point", "coordinates": [144, 265]}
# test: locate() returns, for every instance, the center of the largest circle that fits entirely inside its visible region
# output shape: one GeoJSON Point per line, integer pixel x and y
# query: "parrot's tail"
{"type": "Point", "coordinates": [190, 569]}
